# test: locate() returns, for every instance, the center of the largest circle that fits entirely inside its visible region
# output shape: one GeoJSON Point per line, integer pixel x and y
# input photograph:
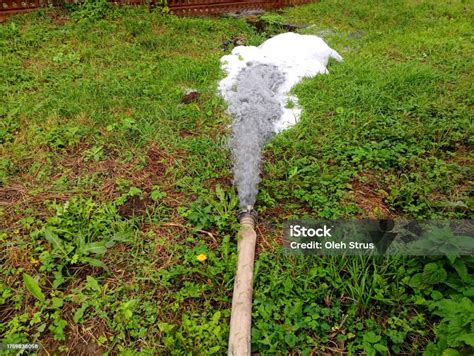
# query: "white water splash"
{"type": "Point", "coordinates": [257, 88]}
{"type": "Point", "coordinates": [296, 56]}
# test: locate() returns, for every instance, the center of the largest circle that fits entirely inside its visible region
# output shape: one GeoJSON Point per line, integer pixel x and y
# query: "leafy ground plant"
{"type": "Point", "coordinates": [117, 210]}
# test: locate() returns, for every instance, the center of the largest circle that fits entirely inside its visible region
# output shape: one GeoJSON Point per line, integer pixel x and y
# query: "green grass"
{"type": "Point", "coordinates": [110, 186]}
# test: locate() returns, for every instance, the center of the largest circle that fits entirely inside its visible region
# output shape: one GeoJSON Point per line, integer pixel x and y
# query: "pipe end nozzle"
{"type": "Point", "coordinates": [248, 216]}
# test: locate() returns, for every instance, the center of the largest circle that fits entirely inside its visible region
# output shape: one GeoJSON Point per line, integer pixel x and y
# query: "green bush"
{"type": "Point", "coordinates": [90, 10]}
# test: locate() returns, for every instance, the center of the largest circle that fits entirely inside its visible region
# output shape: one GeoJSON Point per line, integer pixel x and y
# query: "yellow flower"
{"type": "Point", "coordinates": [201, 258]}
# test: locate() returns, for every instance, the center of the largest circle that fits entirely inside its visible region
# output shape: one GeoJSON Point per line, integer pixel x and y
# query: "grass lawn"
{"type": "Point", "coordinates": [111, 185]}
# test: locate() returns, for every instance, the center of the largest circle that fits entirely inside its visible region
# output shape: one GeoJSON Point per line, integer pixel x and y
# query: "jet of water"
{"type": "Point", "coordinates": [254, 107]}
{"type": "Point", "coordinates": [257, 88]}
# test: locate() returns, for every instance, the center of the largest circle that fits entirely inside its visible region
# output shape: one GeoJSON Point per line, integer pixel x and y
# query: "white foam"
{"type": "Point", "coordinates": [297, 56]}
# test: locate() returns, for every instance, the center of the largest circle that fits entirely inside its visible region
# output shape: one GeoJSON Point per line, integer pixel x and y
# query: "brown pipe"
{"type": "Point", "coordinates": [241, 317]}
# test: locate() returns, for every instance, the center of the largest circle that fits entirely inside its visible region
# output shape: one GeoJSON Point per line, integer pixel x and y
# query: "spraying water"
{"type": "Point", "coordinates": [255, 109]}
{"type": "Point", "coordinates": [257, 88]}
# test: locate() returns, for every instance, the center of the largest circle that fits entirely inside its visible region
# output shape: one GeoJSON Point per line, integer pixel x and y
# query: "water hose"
{"type": "Point", "coordinates": [241, 317]}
